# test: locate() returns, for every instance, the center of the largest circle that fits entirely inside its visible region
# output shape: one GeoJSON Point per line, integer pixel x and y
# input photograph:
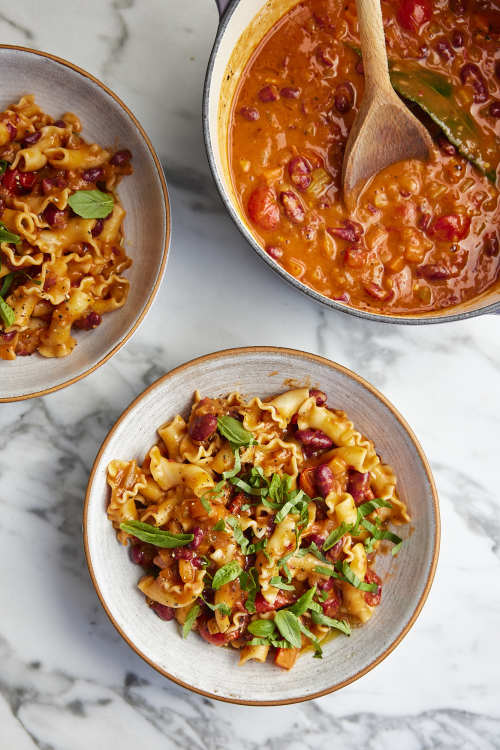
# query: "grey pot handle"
{"type": "Point", "coordinates": [222, 5]}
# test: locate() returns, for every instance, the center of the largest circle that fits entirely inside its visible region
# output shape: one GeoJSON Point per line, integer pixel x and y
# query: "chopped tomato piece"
{"type": "Point", "coordinates": [412, 14]}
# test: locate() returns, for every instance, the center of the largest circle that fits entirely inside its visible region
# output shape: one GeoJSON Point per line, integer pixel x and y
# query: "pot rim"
{"type": "Point", "coordinates": [431, 318]}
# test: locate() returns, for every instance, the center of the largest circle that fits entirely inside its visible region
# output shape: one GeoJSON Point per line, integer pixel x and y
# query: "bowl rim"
{"type": "Point", "coordinates": [339, 368]}
{"type": "Point", "coordinates": [168, 222]}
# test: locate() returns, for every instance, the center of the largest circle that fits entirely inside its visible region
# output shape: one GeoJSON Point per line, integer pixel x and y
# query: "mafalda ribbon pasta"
{"type": "Point", "coordinates": [61, 240]}
{"type": "Point", "coordinates": [258, 522]}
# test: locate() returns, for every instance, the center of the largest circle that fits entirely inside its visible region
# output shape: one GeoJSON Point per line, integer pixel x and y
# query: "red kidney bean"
{"type": "Point", "coordinates": [494, 109]}
{"type": "Point", "coordinates": [433, 271]}
{"type": "Point", "coordinates": [350, 232]}
{"type": "Point", "coordinates": [93, 174]}
{"type": "Point", "coordinates": [444, 50]}
{"type": "Point", "coordinates": [47, 185]}
{"type": "Point", "coordinates": [491, 245]}
{"type": "Point", "coordinates": [458, 6]}
{"type": "Point", "coordinates": [263, 208]}
{"type": "Point", "coordinates": [451, 227]}
{"type": "Point", "coordinates": [198, 534]}
{"type": "Point", "coordinates": [373, 598]}
{"type": "Point", "coordinates": [202, 427]}
{"type": "Point", "coordinates": [234, 506]}
{"type": "Point", "coordinates": [12, 130]}
{"type": "Point", "coordinates": [457, 39]}
{"type": "Point", "coordinates": [97, 228]}
{"type": "Point", "coordinates": [268, 94]}
{"type": "Point", "coordinates": [471, 74]}
{"type": "Point", "coordinates": [163, 612]}
{"type": "Point", "coordinates": [358, 486]}
{"type": "Point", "coordinates": [320, 396]}
{"type": "Point", "coordinates": [325, 56]}
{"type": "Point", "coordinates": [412, 14]}
{"type": "Point", "coordinates": [59, 124]}
{"type": "Point", "coordinates": [292, 207]}
{"type": "Point", "coordinates": [325, 584]}
{"type": "Point", "coordinates": [89, 322]}
{"type": "Point", "coordinates": [2, 206]}
{"type": "Point", "coordinates": [54, 216]}
{"type": "Point", "coordinates": [8, 336]}
{"type": "Point", "coordinates": [27, 180]}
{"type": "Point", "coordinates": [331, 605]}
{"type": "Point", "coordinates": [344, 97]}
{"type": "Point", "coordinates": [445, 146]}
{"type": "Point", "coordinates": [250, 113]}
{"type": "Point", "coordinates": [32, 138]}
{"type": "Point", "coordinates": [313, 441]}
{"type": "Point", "coordinates": [289, 92]}
{"type": "Point", "coordinates": [50, 281]}
{"type": "Point", "coordinates": [317, 539]}
{"type": "Point", "coordinates": [335, 553]}
{"type": "Point", "coordinates": [424, 222]}
{"type": "Point", "coordinates": [121, 158]}
{"type": "Point", "coordinates": [359, 68]}
{"type": "Point", "coordinates": [183, 553]}
{"type": "Point", "coordinates": [275, 252]}
{"type": "Point", "coordinates": [299, 170]}
{"type": "Point", "coordinates": [323, 479]}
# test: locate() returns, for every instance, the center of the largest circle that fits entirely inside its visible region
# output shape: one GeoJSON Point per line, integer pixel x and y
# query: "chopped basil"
{"type": "Point", "coordinates": [262, 628]}
{"type": "Point", "coordinates": [190, 619]}
{"type": "Point", "coordinates": [153, 535]}
{"type": "Point", "coordinates": [7, 236]}
{"type": "Point", "coordinates": [245, 486]}
{"type": "Point", "coordinates": [7, 313]}
{"type": "Point", "coordinates": [382, 533]}
{"type": "Point", "coordinates": [320, 619]}
{"type": "Point", "coordinates": [91, 204]}
{"type": "Point", "coordinates": [249, 582]}
{"type": "Point", "coordinates": [334, 536]}
{"type": "Point", "coordinates": [226, 574]}
{"type": "Point", "coordinates": [351, 577]}
{"type": "Point", "coordinates": [220, 525]}
{"type": "Point", "coordinates": [234, 432]}
{"type": "Point", "coordinates": [318, 653]}
{"type": "Point", "coordinates": [322, 570]}
{"type": "Point", "coordinates": [222, 607]}
{"type": "Point", "coordinates": [312, 550]}
{"type": "Point", "coordinates": [303, 603]}
{"type": "Point", "coordinates": [371, 505]}
{"type": "Point", "coordinates": [279, 583]}
{"type": "Point", "coordinates": [289, 626]}
{"type": "Point", "coordinates": [206, 504]}
{"type": "Point", "coordinates": [236, 468]}
{"type": "Point", "coordinates": [3, 165]}
{"type": "Point", "coordinates": [245, 507]}
{"type": "Point", "coordinates": [239, 536]}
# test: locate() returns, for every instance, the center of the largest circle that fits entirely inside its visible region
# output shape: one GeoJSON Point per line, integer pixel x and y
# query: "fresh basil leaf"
{"type": "Point", "coordinates": [318, 653]}
{"type": "Point", "coordinates": [7, 236]}
{"type": "Point", "coordinates": [220, 525]}
{"type": "Point", "coordinates": [258, 642]}
{"type": "Point", "coordinates": [303, 603]}
{"type": "Point", "coordinates": [289, 626]}
{"type": "Point", "coordinates": [396, 548]}
{"type": "Point", "coordinates": [381, 533]}
{"type": "Point", "coordinates": [279, 583]}
{"type": "Point", "coordinates": [239, 536]}
{"type": "Point", "coordinates": [246, 487]}
{"type": "Point", "coordinates": [226, 574]}
{"type": "Point", "coordinates": [7, 313]}
{"type": "Point", "coordinates": [371, 505]}
{"type": "Point", "coordinates": [234, 432]}
{"type": "Point", "coordinates": [206, 503]}
{"type": "Point", "coordinates": [352, 578]}
{"type": "Point", "coordinates": [370, 544]}
{"type": "Point", "coordinates": [249, 582]}
{"type": "Point", "coordinates": [334, 536]}
{"type": "Point", "coordinates": [262, 628]}
{"type": "Point", "coordinates": [7, 283]}
{"type": "Point", "coordinates": [153, 535]}
{"type": "Point", "coordinates": [190, 619]}
{"type": "Point", "coordinates": [3, 165]}
{"type": "Point", "coordinates": [322, 570]}
{"type": "Point", "coordinates": [236, 468]}
{"type": "Point", "coordinates": [320, 619]}
{"type": "Point", "coordinates": [91, 204]}
{"type": "Point", "coordinates": [222, 607]}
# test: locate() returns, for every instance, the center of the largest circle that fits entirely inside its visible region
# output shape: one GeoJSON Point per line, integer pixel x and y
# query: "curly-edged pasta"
{"type": "Point", "coordinates": [62, 254]}
{"type": "Point", "coordinates": [258, 522]}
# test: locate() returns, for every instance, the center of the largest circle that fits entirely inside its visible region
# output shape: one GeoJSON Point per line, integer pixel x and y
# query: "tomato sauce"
{"type": "Point", "coordinates": [423, 236]}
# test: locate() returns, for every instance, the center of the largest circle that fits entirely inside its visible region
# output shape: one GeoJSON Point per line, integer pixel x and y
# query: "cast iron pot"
{"type": "Point", "coordinates": [243, 23]}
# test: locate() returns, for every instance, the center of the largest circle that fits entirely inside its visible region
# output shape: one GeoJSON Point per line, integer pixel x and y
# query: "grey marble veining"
{"type": "Point", "coordinates": [67, 680]}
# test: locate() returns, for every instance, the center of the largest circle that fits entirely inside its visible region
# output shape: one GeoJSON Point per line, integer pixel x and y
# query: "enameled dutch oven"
{"type": "Point", "coordinates": [243, 23]}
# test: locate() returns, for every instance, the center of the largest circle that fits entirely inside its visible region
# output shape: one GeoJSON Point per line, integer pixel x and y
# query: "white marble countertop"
{"type": "Point", "coordinates": [67, 680]}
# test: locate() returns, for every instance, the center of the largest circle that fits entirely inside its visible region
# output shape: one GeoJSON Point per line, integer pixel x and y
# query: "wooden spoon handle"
{"type": "Point", "coordinates": [371, 33]}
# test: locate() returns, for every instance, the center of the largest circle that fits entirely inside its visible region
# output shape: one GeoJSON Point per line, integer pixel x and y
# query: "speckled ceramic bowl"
{"type": "Point", "coordinates": [60, 87]}
{"type": "Point", "coordinates": [214, 671]}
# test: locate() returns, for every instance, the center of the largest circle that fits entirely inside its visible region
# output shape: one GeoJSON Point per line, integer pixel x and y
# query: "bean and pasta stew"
{"type": "Point", "coordinates": [423, 236]}
{"type": "Point", "coordinates": [61, 240]}
{"type": "Point", "coordinates": [258, 523]}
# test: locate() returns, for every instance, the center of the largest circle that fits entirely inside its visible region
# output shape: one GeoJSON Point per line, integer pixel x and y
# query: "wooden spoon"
{"type": "Point", "coordinates": [384, 130]}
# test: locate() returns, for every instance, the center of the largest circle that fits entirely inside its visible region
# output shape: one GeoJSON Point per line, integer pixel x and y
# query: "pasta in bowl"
{"type": "Point", "coordinates": [263, 522]}
{"type": "Point", "coordinates": [258, 522]}
{"type": "Point", "coordinates": [82, 233]}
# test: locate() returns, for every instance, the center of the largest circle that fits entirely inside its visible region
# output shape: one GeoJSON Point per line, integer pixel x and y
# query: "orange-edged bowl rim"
{"type": "Point", "coordinates": [340, 368]}
{"type": "Point", "coordinates": [168, 223]}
